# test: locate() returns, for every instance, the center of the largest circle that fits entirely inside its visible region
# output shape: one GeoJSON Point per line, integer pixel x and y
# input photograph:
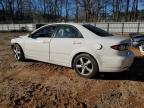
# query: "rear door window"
{"type": "Point", "coordinates": [66, 31]}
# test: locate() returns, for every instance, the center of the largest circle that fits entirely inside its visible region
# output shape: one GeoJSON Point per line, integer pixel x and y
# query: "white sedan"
{"type": "Point", "coordinates": [85, 48]}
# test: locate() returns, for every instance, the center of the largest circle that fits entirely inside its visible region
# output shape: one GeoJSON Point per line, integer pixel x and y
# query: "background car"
{"type": "Point", "coordinates": [137, 40]}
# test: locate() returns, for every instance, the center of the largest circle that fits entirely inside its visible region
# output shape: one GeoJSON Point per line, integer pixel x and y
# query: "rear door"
{"type": "Point", "coordinates": [66, 39]}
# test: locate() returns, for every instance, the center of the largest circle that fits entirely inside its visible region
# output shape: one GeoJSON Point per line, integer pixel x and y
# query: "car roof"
{"type": "Point", "coordinates": [65, 23]}
{"type": "Point", "coordinates": [77, 25]}
{"type": "Point", "coordinates": [83, 30]}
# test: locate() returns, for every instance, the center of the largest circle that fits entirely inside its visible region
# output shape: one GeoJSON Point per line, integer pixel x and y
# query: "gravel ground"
{"type": "Point", "coordinates": [33, 84]}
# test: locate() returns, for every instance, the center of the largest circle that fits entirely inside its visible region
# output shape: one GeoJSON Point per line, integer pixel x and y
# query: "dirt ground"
{"type": "Point", "coordinates": [33, 84]}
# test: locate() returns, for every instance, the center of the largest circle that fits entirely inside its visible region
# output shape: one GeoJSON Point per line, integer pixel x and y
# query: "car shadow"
{"type": "Point", "coordinates": [33, 61]}
{"type": "Point", "coordinates": [135, 73]}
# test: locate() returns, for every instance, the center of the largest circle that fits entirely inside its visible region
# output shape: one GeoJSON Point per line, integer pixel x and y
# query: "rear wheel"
{"type": "Point", "coordinates": [85, 66]}
{"type": "Point", "coordinates": [18, 52]}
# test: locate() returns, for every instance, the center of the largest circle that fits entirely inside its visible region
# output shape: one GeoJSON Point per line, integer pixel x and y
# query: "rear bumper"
{"type": "Point", "coordinates": [117, 63]}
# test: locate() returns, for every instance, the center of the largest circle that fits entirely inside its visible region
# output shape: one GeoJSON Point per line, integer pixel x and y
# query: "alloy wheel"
{"type": "Point", "coordinates": [84, 66]}
{"type": "Point", "coordinates": [17, 52]}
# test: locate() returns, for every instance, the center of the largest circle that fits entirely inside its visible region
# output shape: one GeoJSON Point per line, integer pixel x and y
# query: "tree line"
{"type": "Point", "coordinates": [28, 11]}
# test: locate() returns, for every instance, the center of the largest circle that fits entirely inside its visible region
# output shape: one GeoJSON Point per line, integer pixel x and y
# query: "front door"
{"type": "Point", "coordinates": [38, 44]}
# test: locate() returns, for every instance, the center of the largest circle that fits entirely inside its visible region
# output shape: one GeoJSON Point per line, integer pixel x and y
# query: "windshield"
{"type": "Point", "coordinates": [97, 31]}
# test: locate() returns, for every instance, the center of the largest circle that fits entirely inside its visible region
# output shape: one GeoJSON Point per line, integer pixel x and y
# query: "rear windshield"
{"type": "Point", "coordinates": [97, 31]}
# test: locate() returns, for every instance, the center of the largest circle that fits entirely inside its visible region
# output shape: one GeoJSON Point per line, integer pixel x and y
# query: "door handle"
{"type": "Point", "coordinates": [76, 42]}
{"type": "Point", "coordinates": [45, 41]}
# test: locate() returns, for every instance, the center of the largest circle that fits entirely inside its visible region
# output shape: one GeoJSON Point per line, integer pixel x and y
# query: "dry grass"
{"type": "Point", "coordinates": [33, 84]}
{"type": "Point", "coordinates": [137, 52]}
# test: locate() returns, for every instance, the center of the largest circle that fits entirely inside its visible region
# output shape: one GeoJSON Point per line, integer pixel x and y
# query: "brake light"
{"type": "Point", "coordinates": [120, 47]}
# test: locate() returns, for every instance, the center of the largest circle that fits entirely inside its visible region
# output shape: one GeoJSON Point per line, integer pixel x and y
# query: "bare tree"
{"type": "Point", "coordinates": [127, 10]}
{"type": "Point", "coordinates": [113, 4]}
{"type": "Point", "coordinates": [117, 10]}
{"type": "Point", "coordinates": [136, 10]}
{"type": "Point", "coordinates": [10, 5]}
{"type": "Point", "coordinates": [85, 10]}
{"type": "Point", "coordinates": [3, 10]}
{"type": "Point", "coordinates": [77, 10]}
{"type": "Point", "coordinates": [67, 10]}
{"type": "Point", "coordinates": [98, 8]}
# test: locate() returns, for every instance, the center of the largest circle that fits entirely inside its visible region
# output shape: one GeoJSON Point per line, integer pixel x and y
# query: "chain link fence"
{"type": "Point", "coordinates": [113, 27]}
{"type": "Point", "coordinates": [122, 27]}
{"type": "Point", "coordinates": [17, 27]}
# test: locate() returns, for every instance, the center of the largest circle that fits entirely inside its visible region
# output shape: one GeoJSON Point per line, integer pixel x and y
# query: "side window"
{"type": "Point", "coordinates": [44, 32]}
{"type": "Point", "coordinates": [67, 32]}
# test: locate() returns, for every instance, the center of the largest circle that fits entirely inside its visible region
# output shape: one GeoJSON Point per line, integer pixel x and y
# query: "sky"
{"type": "Point", "coordinates": [72, 6]}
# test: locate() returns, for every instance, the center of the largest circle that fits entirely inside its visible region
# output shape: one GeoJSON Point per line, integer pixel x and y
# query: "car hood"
{"type": "Point", "coordinates": [23, 36]}
{"type": "Point", "coordinates": [19, 38]}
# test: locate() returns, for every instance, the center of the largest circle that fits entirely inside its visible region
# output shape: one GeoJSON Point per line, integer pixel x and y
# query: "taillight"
{"type": "Point", "coordinates": [120, 47]}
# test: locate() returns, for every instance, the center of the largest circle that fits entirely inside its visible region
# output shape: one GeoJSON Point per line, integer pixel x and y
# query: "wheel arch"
{"type": "Point", "coordinates": [12, 45]}
{"type": "Point", "coordinates": [84, 53]}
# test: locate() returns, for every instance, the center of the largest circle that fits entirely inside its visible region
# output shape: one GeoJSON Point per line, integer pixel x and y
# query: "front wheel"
{"type": "Point", "coordinates": [18, 52]}
{"type": "Point", "coordinates": [85, 65]}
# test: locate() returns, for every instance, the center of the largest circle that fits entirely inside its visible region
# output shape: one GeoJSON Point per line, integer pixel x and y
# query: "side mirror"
{"type": "Point", "coordinates": [30, 36]}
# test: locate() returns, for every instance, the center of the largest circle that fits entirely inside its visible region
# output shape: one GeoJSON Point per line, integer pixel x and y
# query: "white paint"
{"type": "Point", "coordinates": [61, 51]}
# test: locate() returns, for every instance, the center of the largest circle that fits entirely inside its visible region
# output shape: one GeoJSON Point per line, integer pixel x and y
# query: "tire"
{"type": "Point", "coordinates": [18, 52]}
{"type": "Point", "coordinates": [141, 42]}
{"type": "Point", "coordinates": [85, 66]}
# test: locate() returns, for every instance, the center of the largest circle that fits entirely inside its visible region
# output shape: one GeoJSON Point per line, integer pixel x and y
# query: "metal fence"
{"type": "Point", "coordinates": [113, 27]}
{"type": "Point", "coordinates": [17, 27]}
{"type": "Point", "coordinates": [122, 27]}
